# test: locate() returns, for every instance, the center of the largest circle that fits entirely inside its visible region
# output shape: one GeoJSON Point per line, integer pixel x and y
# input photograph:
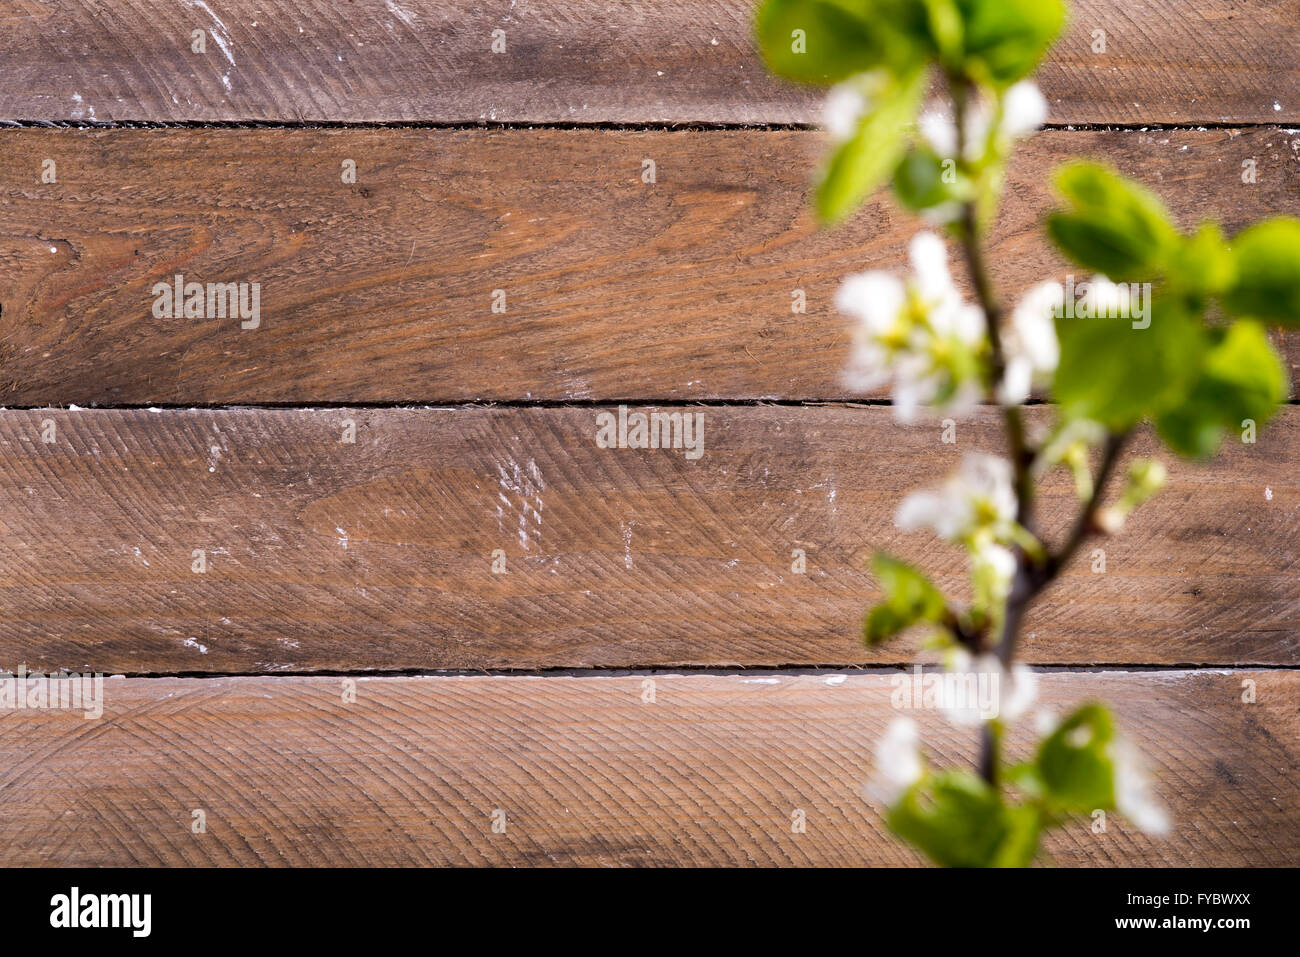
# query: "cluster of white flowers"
{"type": "Point", "coordinates": [1014, 691]}
{"type": "Point", "coordinates": [975, 507]}
{"type": "Point", "coordinates": [1023, 110]}
{"type": "Point", "coordinates": [920, 337]}
{"type": "Point", "coordinates": [918, 333]}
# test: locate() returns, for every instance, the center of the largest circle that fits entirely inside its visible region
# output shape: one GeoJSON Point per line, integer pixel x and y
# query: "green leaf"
{"type": "Point", "coordinates": [957, 820]}
{"type": "Point", "coordinates": [1117, 375]}
{"type": "Point", "coordinates": [1115, 227]}
{"type": "Point", "coordinates": [1202, 266]}
{"type": "Point", "coordinates": [1267, 257]}
{"type": "Point", "coordinates": [819, 41]}
{"type": "Point", "coordinates": [918, 181]}
{"type": "Point", "coordinates": [1005, 39]}
{"type": "Point", "coordinates": [909, 598]}
{"type": "Point", "coordinates": [944, 26]}
{"type": "Point", "coordinates": [863, 161]}
{"type": "Point", "coordinates": [1074, 764]}
{"type": "Point", "coordinates": [1242, 377]}
{"type": "Point", "coordinates": [1023, 825]}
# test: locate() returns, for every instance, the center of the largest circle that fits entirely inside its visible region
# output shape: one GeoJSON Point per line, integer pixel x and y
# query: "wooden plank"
{"type": "Point", "coordinates": [583, 61]}
{"type": "Point", "coordinates": [588, 773]}
{"type": "Point", "coordinates": [382, 291]}
{"type": "Point", "coordinates": [378, 554]}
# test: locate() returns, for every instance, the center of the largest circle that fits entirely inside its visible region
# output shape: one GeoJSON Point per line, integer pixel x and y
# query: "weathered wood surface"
{"type": "Point", "coordinates": [378, 554]}
{"type": "Point", "coordinates": [581, 61]}
{"type": "Point", "coordinates": [382, 291]}
{"type": "Point", "coordinates": [588, 772]}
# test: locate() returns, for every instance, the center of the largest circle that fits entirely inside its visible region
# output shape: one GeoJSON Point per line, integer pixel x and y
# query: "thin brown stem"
{"type": "Point", "coordinates": [1017, 445]}
{"type": "Point", "coordinates": [1032, 575]}
{"type": "Point", "coordinates": [1030, 580]}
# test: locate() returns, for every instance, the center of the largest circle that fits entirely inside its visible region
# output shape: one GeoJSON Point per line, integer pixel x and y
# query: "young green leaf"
{"type": "Point", "coordinates": [909, 598]}
{"type": "Point", "coordinates": [1267, 257]}
{"type": "Point", "coordinates": [919, 180]}
{"type": "Point", "coordinates": [1201, 266]}
{"type": "Point", "coordinates": [1115, 227]}
{"type": "Point", "coordinates": [957, 820]}
{"type": "Point", "coordinates": [819, 41]}
{"type": "Point", "coordinates": [1074, 763]}
{"type": "Point", "coordinates": [863, 161]}
{"type": "Point", "coordinates": [1005, 39]}
{"type": "Point", "coordinates": [1241, 377]}
{"type": "Point", "coordinates": [1115, 374]}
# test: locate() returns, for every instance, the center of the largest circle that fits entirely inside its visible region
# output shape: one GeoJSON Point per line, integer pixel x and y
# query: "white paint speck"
{"type": "Point", "coordinates": [525, 483]}
{"type": "Point", "coordinates": [220, 36]}
{"type": "Point", "coordinates": [194, 643]}
{"type": "Point", "coordinates": [404, 15]}
{"type": "Point", "coordinates": [1268, 494]}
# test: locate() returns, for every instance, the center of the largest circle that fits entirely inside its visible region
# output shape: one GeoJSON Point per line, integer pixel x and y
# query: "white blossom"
{"type": "Point", "coordinates": [1133, 794]}
{"type": "Point", "coordinates": [1023, 109]}
{"type": "Point", "coordinates": [1000, 563]}
{"type": "Point", "coordinates": [978, 498]}
{"type": "Point", "coordinates": [911, 332]}
{"type": "Point", "coordinates": [940, 130]}
{"type": "Point", "coordinates": [898, 762]}
{"type": "Point", "coordinates": [844, 107]}
{"type": "Point", "coordinates": [1102, 297]}
{"type": "Point", "coordinates": [1029, 342]}
{"type": "Point", "coordinates": [1022, 695]}
{"type": "Point", "coordinates": [998, 693]}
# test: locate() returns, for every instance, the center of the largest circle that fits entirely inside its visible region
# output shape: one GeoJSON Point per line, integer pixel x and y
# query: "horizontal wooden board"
{"type": "Point", "coordinates": [584, 61]}
{"type": "Point", "coordinates": [383, 291]}
{"type": "Point", "coordinates": [378, 555]}
{"type": "Point", "coordinates": [587, 772]}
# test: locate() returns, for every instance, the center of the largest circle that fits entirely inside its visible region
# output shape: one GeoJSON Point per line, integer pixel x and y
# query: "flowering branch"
{"type": "Point", "coordinates": [1191, 358]}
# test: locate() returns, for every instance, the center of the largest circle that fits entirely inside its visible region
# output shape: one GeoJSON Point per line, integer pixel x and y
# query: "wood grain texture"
{"type": "Point", "coordinates": [382, 291]}
{"type": "Point", "coordinates": [583, 61]}
{"type": "Point", "coordinates": [587, 773]}
{"type": "Point", "coordinates": [377, 555]}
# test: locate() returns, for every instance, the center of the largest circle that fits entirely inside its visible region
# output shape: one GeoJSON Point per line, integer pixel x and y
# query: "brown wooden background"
{"type": "Point", "coordinates": [331, 562]}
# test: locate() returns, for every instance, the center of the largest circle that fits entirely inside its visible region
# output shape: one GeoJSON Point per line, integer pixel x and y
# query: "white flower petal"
{"type": "Point", "coordinates": [1020, 697]}
{"type": "Point", "coordinates": [874, 298]}
{"type": "Point", "coordinates": [929, 259]}
{"type": "Point", "coordinates": [978, 121]}
{"type": "Point", "coordinates": [1016, 381]}
{"type": "Point", "coordinates": [963, 401]}
{"type": "Point", "coordinates": [1105, 298]}
{"type": "Point", "coordinates": [844, 107]}
{"type": "Point", "coordinates": [1033, 326]}
{"type": "Point", "coordinates": [868, 368]}
{"type": "Point", "coordinates": [1023, 109]}
{"type": "Point", "coordinates": [1133, 794]}
{"type": "Point", "coordinates": [989, 478]}
{"type": "Point", "coordinates": [898, 761]}
{"type": "Point", "coordinates": [940, 132]}
{"type": "Point", "coordinates": [921, 510]}
{"type": "Point", "coordinates": [1001, 561]}
{"type": "Point", "coordinates": [969, 324]}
